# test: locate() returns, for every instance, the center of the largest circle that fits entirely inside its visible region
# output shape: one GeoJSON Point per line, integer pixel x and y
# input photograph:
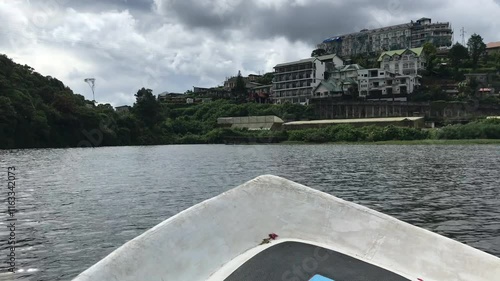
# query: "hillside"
{"type": "Point", "coordinates": [39, 111]}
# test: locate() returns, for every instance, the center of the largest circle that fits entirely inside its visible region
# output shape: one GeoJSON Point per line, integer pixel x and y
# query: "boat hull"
{"type": "Point", "coordinates": [216, 238]}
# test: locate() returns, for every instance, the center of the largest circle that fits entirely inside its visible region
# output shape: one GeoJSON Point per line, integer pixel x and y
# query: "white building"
{"type": "Point", "coordinates": [408, 35]}
{"type": "Point", "coordinates": [380, 84]}
{"type": "Point", "coordinates": [346, 72]}
{"type": "Point", "coordinates": [404, 61]}
{"type": "Point", "coordinates": [294, 81]}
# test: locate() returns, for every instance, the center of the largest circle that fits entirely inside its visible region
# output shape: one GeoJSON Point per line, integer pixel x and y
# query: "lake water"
{"type": "Point", "coordinates": [78, 205]}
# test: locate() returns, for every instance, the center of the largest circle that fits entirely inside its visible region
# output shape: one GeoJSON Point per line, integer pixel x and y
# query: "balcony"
{"type": "Point", "coordinates": [294, 70]}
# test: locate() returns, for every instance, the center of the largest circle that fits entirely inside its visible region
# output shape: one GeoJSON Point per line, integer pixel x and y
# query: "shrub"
{"type": "Point", "coordinates": [487, 129]}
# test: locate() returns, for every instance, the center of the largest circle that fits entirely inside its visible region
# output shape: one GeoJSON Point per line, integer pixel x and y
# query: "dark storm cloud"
{"type": "Point", "coordinates": [175, 44]}
{"type": "Point", "coordinates": [308, 22]}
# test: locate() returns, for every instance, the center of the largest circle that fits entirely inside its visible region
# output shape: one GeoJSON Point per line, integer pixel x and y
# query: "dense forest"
{"type": "Point", "coordinates": [39, 111]}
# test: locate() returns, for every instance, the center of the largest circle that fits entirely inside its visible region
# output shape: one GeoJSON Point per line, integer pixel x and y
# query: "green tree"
{"type": "Point", "coordinates": [457, 55]}
{"type": "Point", "coordinates": [266, 79]}
{"type": "Point", "coordinates": [477, 48]}
{"type": "Point", "coordinates": [360, 60]}
{"type": "Point", "coordinates": [430, 52]}
{"type": "Point", "coordinates": [239, 92]}
{"type": "Point", "coordinates": [473, 86]}
{"type": "Point", "coordinates": [495, 60]}
{"type": "Point", "coordinates": [318, 53]}
{"type": "Point", "coordinates": [8, 123]}
{"type": "Point", "coordinates": [147, 107]}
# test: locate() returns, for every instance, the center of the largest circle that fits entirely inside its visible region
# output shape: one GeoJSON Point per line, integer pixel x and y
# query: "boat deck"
{"type": "Point", "coordinates": [296, 261]}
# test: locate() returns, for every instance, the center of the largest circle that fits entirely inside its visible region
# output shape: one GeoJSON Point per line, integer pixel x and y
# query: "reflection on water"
{"type": "Point", "coordinates": [78, 205]}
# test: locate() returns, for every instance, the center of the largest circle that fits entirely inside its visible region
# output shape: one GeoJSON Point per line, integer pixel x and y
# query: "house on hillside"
{"type": "Point", "coordinates": [493, 48]}
{"type": "Point", "coordinates": [211, 93]}
{"type": "Point", "coordinates": [172, 97]}
{"type": "Point", "coordinates": [404, 61]}
{"type": "Point", "coordinates": [260, 94]}
{"type": "Point", "coordinates": [250, 82]}
{"type": "Point", "coordinates": [342, 81]}
{"type": "Point", "coordinates": [328, 89]}
{"type": "Point", "coordinates": [122, 109]}
{"type": "Point", "coordinates": [380, 84]}
{"type": "Point", "coordinates": [295, 81]}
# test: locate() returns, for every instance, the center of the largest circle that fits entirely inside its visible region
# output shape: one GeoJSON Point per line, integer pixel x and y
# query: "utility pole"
{"type": "Point", "coordinates": [91, 82]}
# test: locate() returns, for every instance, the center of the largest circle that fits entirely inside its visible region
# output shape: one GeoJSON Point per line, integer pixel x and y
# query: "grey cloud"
{"type": "Point", "coordinates": [102, 5]}
{"type": "Point", "coordinates": [185, 43]}
{"type": "Point", "coordinates": [310, 23]}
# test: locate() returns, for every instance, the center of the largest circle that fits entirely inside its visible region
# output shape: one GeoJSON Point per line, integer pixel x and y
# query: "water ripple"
{"type": "Point", "coordinates": [77, 205]}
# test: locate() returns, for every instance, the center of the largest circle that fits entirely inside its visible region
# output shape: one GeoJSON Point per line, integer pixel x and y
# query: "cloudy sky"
{"type": "Point", "coordinates": [173, 45]}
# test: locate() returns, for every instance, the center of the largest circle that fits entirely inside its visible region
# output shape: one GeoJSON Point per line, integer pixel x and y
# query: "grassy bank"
{"type": "Point", "coordinates": [414, 142]}
{"type": "Point", "coordinates": [478, 132]}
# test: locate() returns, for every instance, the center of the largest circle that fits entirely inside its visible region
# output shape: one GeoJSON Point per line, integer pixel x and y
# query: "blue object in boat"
{"type": "Point", "coordinates": [320, 278]}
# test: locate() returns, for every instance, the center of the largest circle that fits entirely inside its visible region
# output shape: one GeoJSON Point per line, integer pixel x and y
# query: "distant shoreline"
{"type": "Point", "coordinates": [380, 143]}
{"type": "Point", "coordinates": [402, 142]}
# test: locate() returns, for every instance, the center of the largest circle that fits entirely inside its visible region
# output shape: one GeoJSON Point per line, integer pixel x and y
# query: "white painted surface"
{"type": "Point", "coordinates": [209, 240]}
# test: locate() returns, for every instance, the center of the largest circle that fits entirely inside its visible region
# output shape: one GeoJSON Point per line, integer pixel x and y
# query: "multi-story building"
{"type": "Point", "coordinates": [294, 81]}
{"type": "Point", "coordinates": [405, 61]}
{"type": "Point", "coordinates": [402, 36]}
{"type": "Point", "coordinates": [379, 84]}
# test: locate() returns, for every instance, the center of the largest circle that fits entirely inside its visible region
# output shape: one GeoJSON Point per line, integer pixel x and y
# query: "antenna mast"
{"type": "Point", "coordinates": [91, 82]}
{"type": "Point", "coordinates": [462, 33]}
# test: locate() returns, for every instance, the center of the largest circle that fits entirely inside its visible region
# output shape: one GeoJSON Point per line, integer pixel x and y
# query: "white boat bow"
{"type": "Point", "coordinates": [222, 239]}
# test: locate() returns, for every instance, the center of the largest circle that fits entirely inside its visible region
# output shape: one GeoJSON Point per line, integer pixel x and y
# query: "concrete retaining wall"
{"type": "Point", "coordinates": [332, 109]}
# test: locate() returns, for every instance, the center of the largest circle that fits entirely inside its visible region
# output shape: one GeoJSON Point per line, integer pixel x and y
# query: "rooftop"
{"type": "Point", "coordinates": [417, 51]}
{"type": "Point", "coordinates": [167, 94]}
{"type": "Point", "coordinates": [251, 123]}
{"type": "Point", "coordinates": [332, 86]}
{"type": "Point", "coordinates": [493, 45]}
{"type": "Point", "coordinates": [350, 67]}
{"type": "Point", "coordinates": [350, 121]}
{"type": "Point", "coordinates": [263, 86]}
{"type": "Point", "coordinates": [312, 59]}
